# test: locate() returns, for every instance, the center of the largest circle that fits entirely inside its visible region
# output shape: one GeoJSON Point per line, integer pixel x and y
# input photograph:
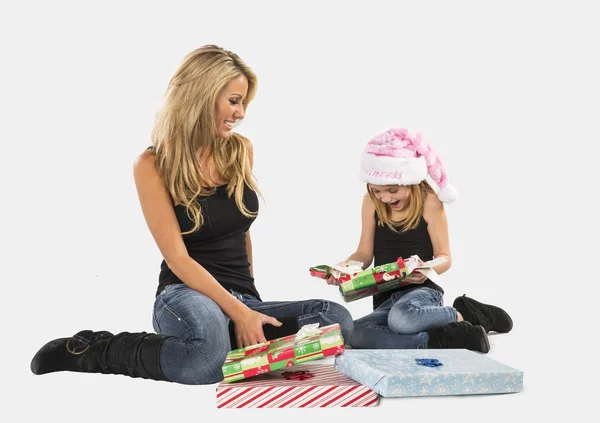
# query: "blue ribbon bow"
{"type": "Point", "coordinates": [429, 362]}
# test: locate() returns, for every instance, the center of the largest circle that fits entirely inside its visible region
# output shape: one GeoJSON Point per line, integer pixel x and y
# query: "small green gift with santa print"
{"type": "Point", "coordinates": [356, 283]}
{"type": "Point", "coordinates": [310, 343]}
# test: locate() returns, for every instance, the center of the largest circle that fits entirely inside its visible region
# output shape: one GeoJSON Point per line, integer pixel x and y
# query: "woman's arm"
{"type": "Point", "coordinates": [159, 214]}
{"type": "Point", "coordinates": [437, 226]}
{"type": "Point", "coordinates": [249, 249]}
{"type": "Point", "coordinates": [250, 150]}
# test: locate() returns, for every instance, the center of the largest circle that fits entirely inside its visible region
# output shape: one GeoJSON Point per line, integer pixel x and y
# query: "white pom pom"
{"type": "Point", "coordinates": [447, 194]}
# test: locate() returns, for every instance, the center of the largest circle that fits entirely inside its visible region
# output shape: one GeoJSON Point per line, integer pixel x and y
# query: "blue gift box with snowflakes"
{"type": "Point", "coordinates": [397, 373]}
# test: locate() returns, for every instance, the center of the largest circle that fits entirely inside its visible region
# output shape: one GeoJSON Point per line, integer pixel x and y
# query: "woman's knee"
{"type": "Point", "coordinates": [204, 362]}
{"type": "Point", "coordinates": [189, 315]}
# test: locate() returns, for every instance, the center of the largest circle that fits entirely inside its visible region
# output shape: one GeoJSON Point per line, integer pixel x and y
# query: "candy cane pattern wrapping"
{"type": "Point", "coordinates": [327, 388]}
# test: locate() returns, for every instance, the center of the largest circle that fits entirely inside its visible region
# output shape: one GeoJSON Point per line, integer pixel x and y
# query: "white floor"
{"type": "Point", "coordinates": [100, 398]}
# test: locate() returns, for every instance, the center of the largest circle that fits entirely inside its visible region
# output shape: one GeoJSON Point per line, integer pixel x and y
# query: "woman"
{"type": "Point", "coordinates": [199, 200]}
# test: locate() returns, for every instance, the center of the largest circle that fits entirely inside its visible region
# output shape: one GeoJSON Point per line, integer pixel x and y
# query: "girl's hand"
{"type": "Point", "coordinates": [331, 280]}
{"type": "Point", "coordinates": [248, 328]}
{"type": "Point", "coordinates": [415, 277]}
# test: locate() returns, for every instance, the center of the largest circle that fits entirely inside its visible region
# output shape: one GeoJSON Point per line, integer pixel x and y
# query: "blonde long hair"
{"type": "Point", "coordinates": [186, 124]}
{"type": "Point", "coordinates": [416, 200]}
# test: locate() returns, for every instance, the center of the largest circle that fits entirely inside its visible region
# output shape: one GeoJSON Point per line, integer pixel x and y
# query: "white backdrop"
{"type": "Point", "coordinates": [507, 93]}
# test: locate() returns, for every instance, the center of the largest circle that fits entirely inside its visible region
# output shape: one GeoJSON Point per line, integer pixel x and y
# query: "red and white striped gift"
{"type": "Point", "coordinates": [327, 388]}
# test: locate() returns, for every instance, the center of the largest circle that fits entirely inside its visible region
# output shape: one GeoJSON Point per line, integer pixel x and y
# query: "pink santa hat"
{"type": "Point", "coordinates": [399, 156]}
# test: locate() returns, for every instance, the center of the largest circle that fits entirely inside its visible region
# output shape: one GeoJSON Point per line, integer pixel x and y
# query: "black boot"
{"type": "Point", "coordinates": [459, 335]}
{"type": "Point", "coordinates": [492, 318]}
{"type": "Point", "coordinates": [289, 326]}
{"type": "Point", "coordinates": [131, 354]}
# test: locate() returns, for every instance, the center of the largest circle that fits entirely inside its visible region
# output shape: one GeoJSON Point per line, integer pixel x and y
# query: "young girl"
{"type": "Point", "coordinates": [401, 217]}
{"type": "Point", "coordinates": [199, 200]}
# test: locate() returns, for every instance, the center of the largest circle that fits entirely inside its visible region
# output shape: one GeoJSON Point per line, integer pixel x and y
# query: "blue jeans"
{"type": "Point", "coordinates": [199, 336]}
{"type": "Point", "coordinates": [401, 322]}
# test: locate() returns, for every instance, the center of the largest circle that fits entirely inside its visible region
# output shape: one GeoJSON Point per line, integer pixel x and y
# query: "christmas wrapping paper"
{"type": "Point", "coordinates": [307, 345]}
{"type": "Point", "coordinates": [356, 284]}
{"type": "Point", "coordinates": [396, 373]}
{"type": "Point", "coordinates": [303, 386]}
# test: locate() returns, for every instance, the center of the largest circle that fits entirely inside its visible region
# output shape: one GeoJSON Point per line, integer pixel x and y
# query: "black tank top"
{"type": "Point", "coordinates": [220, 244]}
{"type": "Point", "coordinates": [389, 245]}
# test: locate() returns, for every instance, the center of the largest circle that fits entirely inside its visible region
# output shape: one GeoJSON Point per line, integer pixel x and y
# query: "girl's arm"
{"type": "Point", "coordinates": [364, 252]}
{"type": "Point", "coordinates": [437, 226]}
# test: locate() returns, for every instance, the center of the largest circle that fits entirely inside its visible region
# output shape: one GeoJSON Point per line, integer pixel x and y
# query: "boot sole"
{"type": "Point", "coordinates": [485, 344]}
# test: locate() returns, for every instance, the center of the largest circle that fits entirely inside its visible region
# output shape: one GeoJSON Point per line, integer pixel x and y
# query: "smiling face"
{"type": "Point", "coordinates": [229, 109]}
{"type": "Point", "coordinates": [395, 196]}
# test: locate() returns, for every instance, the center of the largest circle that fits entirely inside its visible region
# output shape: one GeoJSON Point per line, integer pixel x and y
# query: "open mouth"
{"type": "Point", "coordinates": [233, 124]}
{"type": "Point", "coordinates": [395, 204]}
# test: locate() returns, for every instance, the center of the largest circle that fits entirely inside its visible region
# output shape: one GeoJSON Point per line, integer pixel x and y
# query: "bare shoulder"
{"type": "Point", "coordinates": [433, 208]}
{"type": "Point", "coordinates": [433, 204]}
{"type": "Point", "coordinates": [148, 181]}
{"type": "Point", "coordinates": [368, 205]}
{"type": "Point", "coordinates": [368, 212]}
{"type": "Point", "coordinates": [144, 166]}
{"type": "Point", "coordinates": [144, 160]}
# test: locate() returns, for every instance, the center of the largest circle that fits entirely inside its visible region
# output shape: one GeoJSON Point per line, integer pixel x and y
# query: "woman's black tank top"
{"type": "Point", "coordinates": [220, 244]}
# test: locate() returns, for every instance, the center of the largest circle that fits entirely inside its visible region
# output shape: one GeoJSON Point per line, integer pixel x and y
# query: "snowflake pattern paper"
{"type": "Point", "coordinates": [394, 373]}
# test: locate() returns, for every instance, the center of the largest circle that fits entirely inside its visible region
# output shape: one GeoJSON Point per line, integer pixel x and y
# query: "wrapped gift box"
{"type": "Point", "coordinates": [365, 283]}
{"type": "Point", "coordinates": [303, 386]}
{"type": "Point", "coordinates": [395, 373]}
{"type": "Point", "coordinates": [283, 352]}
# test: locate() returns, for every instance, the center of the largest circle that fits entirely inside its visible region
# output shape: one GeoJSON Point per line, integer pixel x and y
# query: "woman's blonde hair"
{"type": "Point", "coordinates": [416, 200]}
{"type": "Point", "coordinates": [186, 125]}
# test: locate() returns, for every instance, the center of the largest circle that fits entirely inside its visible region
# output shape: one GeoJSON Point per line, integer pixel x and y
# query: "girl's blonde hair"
{"type": "Point", "coordinates": [186, 125]}
{"type": "Point", "coordinates": [416, 200]}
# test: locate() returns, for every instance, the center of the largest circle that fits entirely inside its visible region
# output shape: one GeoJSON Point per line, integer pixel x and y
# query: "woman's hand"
{"type": "Point", "coordinates": [248, 328]}
{"type": "Point", "coordinates": [415, 277]}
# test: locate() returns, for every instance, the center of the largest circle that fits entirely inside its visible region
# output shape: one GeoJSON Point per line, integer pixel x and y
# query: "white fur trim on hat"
{"type": "Point", "coordinates": [385, 170]}
{"type": "Point", "coordinates": [400, 156]}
